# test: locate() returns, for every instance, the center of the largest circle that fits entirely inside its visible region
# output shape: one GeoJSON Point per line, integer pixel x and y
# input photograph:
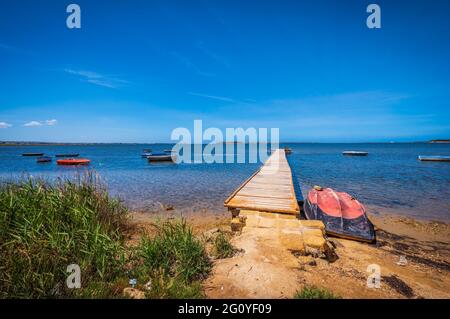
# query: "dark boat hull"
{"type": "Point", "coordinates": [44, 159]}
{"type": "Point", "coordinates": [355, 153]}
{"type": "Point", "coordinates": [32, 154]}
{"type": "Point", "coordinates": [160, 158]}
{"type": "Point", "coordinates": [67, 155]}
{"type": "Point", "coordinates": [434, 158]}
{"type": "Point", "coordinates": [356, 228]}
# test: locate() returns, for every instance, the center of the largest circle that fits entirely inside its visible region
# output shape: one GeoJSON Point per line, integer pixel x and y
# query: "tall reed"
{"type": "Point", "coordinates": [45, 226]}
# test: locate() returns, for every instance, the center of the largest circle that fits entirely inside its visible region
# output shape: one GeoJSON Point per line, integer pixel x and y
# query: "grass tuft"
{"type": "Point", "coordinates": [312, 292]}
{"type": "Point", "coordinates": [174, 260]}
{"type": "Point", "coordinates": [222, 246]}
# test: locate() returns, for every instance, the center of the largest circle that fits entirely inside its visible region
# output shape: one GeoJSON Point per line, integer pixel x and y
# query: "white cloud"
{"type": "Point", "coordinates": [33, 123]}
{"type": "Point", "coordinates": [97, 78]}
{"type": "Point", "coordinates": [41, 123]}
{"type": "Point", "coordinates": [214, 97]}
{"type": "Point", "coordinates": [51, 122]}
{"type": "Point", "coordinates": [4, 125]}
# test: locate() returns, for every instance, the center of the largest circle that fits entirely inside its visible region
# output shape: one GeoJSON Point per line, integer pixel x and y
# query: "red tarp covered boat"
{"type": "Point", "coordinates": [342, 214]}
{"type": "Point", "coordinates": [73, 161]}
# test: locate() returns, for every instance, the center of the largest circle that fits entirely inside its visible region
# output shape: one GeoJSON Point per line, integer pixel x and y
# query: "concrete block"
{"type": "Point", "coordinates": [312, 224]}
{"type": "Point", "coordinates": [316, 242]}
{"type": "Point", "coordinates": [288, 223]}
{"type": "Point", "coordinates": [312, 231]}
{"type": "Point", "coordinates": [292, 241]}
{"type": "Point", "coordinates": [267, 222]}
{"type": "Point", "coordinates": [252, 221]}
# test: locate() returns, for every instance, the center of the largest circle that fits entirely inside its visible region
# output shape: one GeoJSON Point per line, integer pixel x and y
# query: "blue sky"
{"type": "Point", "coordinates": [138, 69]}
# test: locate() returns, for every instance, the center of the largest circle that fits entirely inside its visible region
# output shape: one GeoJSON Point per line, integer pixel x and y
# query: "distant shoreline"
{"type": "Point", "coordinates": [27, 143]}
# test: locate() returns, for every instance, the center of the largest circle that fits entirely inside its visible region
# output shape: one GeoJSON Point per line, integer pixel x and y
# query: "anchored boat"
{"type": "Point", "coordinates": [32, 154]}
{"type": "Point", "coordinates": [67, 155]}
{"type": "Point", "coordinates": [434, 158]}
{"type": "Point", "coordinates": [146, 154]}
{"type": "Point", "coordinates": [44, 159]}
{"type": "Point", "coordinates": [160, 157]}
{"type": "Point", "coordinates": [342, 215]}
{"type": "Point", "coordinates": [73, 161]}
{"type": "Point", "coordinates": [355, 153]}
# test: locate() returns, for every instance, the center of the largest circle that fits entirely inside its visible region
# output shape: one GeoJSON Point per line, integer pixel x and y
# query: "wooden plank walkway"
{"type": "Point", "coordinates": [269, 189]}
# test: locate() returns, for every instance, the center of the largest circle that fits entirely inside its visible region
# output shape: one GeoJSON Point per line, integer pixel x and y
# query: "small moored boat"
{"type": "Point", "coordinates": [44, 159]}
{"type": "Point", "coordinates": [145, 154]}
{"type": "Point", "coordinates": [67, 155]}
{"type": "Point", "coordinates": [355, 153]}
{"type": "Point", "coordinates": [435, 158]}
{"type": "Point", "coordinates": [287, 150]}
{"type": "Point", "coordinates": [73, 161]}
{"type": "Point", "coordinates": [33, 154]}
{"type": "Point", "coordinates": [160, 157]}
{"type": "Point", "coordinates": [342, 215]}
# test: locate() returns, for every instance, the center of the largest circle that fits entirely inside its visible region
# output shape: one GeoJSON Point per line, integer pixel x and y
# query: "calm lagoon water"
{"type": "Point", "coordinates": [390, 179]}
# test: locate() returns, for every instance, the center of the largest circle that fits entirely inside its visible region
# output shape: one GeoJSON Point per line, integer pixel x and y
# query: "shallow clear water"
{"type": "Point", "coordinates": [389, 177]}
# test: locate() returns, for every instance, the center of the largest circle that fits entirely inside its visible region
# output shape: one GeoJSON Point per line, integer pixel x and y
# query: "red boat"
{"type": "Point", "coordinates": [73, 161]}
{"type": "Point", "coordinates": [343, 215]}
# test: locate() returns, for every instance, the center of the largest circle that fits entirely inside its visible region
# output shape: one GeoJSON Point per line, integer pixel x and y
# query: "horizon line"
{"type": "Point", "coordinates": [30, 143]}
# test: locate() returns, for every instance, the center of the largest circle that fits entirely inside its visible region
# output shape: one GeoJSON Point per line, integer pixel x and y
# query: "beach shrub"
{"type": "Point", "coordinates": [222, 246]}
{"type": "Point", "coordinates": [312, 292]}
{"type": "Point", "coordinates": [44, 227]}
{"type": "Point", "coordinates": [173, 260]}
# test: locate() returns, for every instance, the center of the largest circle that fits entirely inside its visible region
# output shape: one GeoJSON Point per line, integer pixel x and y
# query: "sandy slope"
{"type": "Point", "coordinates": [266, 268]}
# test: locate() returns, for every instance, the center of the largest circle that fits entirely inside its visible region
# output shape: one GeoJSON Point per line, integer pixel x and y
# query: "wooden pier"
{"type": "Point", "coordinates": [269, 189]}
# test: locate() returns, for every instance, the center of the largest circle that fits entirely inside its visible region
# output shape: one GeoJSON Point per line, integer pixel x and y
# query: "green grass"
{"type": "Point", "coordinates": [45, 227]}
{"type": "Point", "coordinates": [175, 261]}
{"type": "Point", "coordinates": [222, 246]}
{"type": "Point", "coordinates": [312, 292]}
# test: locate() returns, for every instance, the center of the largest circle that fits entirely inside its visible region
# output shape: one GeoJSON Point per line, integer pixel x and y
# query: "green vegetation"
{"type": "Point", "coordinates": [44, 227]}
{"type": "Point", "coordinates": [312, 292]}
{"type": "Point", "coordinates": [222, 246]}
{"type": "Point", "coordinates": [174, 260]}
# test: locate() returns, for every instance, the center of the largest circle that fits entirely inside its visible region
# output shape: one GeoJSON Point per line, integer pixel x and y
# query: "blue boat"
{"type": "Point", "coordinates": [145, 154]}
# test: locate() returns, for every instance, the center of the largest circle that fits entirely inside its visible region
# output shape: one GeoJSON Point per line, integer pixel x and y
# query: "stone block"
{"type": "Point", "coordinates": [312, 224]}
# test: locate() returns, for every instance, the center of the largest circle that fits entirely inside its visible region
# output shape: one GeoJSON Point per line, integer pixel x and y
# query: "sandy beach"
{"type": "Point", "coordinates": [413, 256]}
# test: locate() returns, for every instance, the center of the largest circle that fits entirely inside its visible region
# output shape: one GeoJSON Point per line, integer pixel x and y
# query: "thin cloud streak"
{"type": "Point", "coordinates": [97, 78]}
{"type": "Point", "coordinates": [4, 125]}
{"type": "Point", "coordinates": [190, 65]}
{"type": "Point", "coordinates": [214, 97]}
{"type": "Point", "coordinates": [10, 48]}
